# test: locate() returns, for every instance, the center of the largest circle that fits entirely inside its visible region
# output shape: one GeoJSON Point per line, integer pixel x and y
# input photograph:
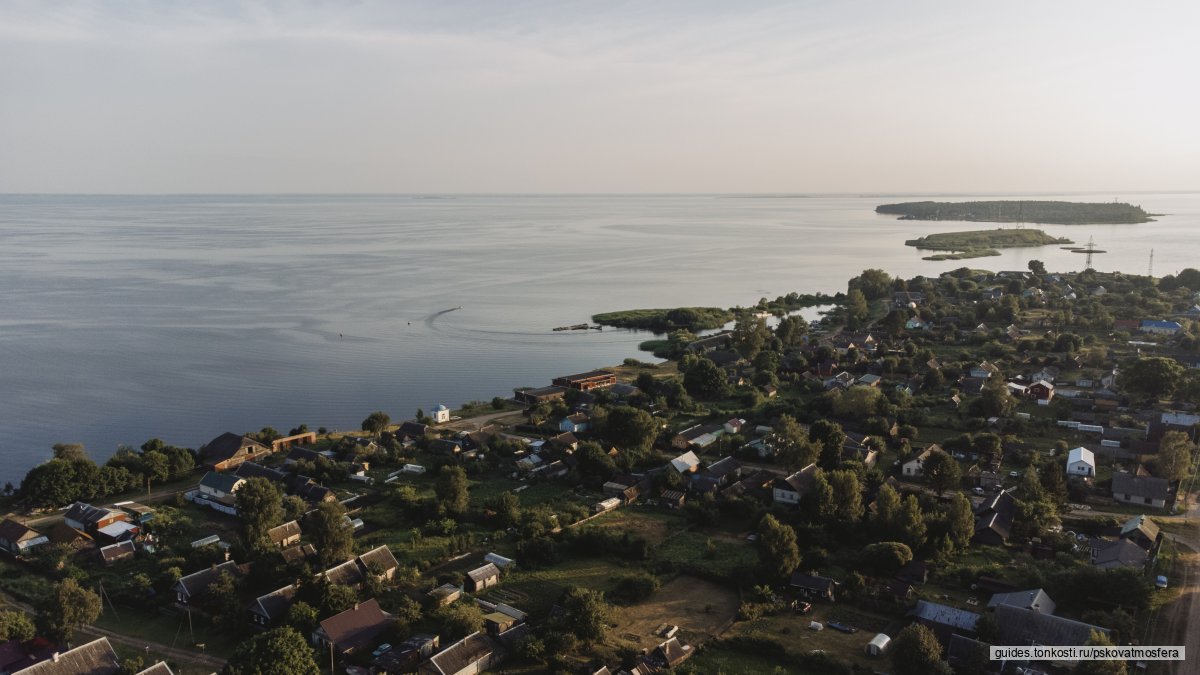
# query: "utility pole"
{"type": "Point", "coordinates": [1150, 269]}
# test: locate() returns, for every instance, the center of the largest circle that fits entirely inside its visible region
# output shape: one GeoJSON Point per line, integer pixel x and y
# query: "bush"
{"type": "Point", "coordinates": [635, 587]}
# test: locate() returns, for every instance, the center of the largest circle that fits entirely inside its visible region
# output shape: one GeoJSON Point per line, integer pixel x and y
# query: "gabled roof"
{"type": "Point", "coordinates": [94, 658]}
{"type": "Point", "coordinates": [723, 467]}
{"type": "Point", "coordinates": [455, 658]}
{"type": "Point", "coordinates": [811, 582]}
{"type": "Point", "coordinates": [944, 615]}
{"type": "Point", "coordinates": [1119, 553]}
{"type": "Point", "coordinates": [685, 462]}
{"type": "Point", "coordinates": [255, 470]}
{"type": "Point", "coordinates": [226, 446]}
{"type": "Point", "coordinates": [275, 604]}
{"type": "Point", "coordinates": [1147, 527]}
{"type": "Point", "coordinates": [799, 482]}
{"type": "Point", "coordinates": [114, 552]}
{"type": "Point", "coordinates": [412, 429]}
{"type": "Point", "coordinates": [221, 482]}
{"type": "Point", "coordinates": [281, 533]}
{"type": "Point", "coordinates": [86, 513]}
{"type": "Point", "coordinates": [356, 626]}
{"type": "Point", "coordinates": [481, 574]}
{"type": "Point", "coordinates": [160, 668]}
{"type": "Point", "coordinates": [346, 574]}
{"type": "Point", "coordinates": [1141, 486]}
{"type": "Point", "coordinates": [12, 531]}
{"type": "Point", "coordinates": [197, 583]}
{"type": "Point", "coordinates": [1019, 626]}
{"type": "Point", "coordinates": [1081, 454]}
{"type": "Point", "coordinates": [298, 553]}
{"type": "Point", "coordinates": [1035, 599]}
{"type": "Point", "coordinates": [381, 556]}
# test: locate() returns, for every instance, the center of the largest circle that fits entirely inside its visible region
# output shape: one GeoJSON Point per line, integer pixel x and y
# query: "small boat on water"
{"type": "Point", "coordinates": [578, 326]}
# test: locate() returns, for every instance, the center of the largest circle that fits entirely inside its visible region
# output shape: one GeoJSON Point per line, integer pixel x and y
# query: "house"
{"type": "Point", "coordinates": [734, 425]}
{"type": "Point", "coordinates": [915, 467]}
{"type": "Point", "coordinates": [994, 519]}
{"type": "Point", "coordinates": [93, 658]}
{"type": "Point", "coordinates": [17, 540]}
{"type": "Point", "coordinates": [1041, 391]}
{"type": "Point", "coordinates": [472, 654]}
{"type": "Point", "coordinates": [972, 386]}
{"type": "Point", "coordinates": [412, 430]}
{"type": "Point", "coordinates": [352, 629]}
{"type": "Point", "coordinates": [1019, 626]}
{"type": "Point", "coordinates": [606, 505]}
{"type": "Point", "coordinates": [1112, 554]}
{"type": "Point", "coordinates": [944, 620]}
{"type": "Point", "coordinates": [119, 531]}
{"type": "Point", "coordinates": [379, 562]}
{"type": "Point", "coordinates": [698, 436]}
{"type": "Point", "coordinates": [575, 423]}
{"type": "Point", "coordinates": [541, 395]}
{"type": "Point", "coordinates": [285, 535]}
{"type": "Point", "coordinates": [813, 587]}
{"type": "Point", "coordinates": [299, 554]}
{"type": "Point", "coordinates": [717, 475]}
{"type": "Point", "coordinates": [564, 442]}
{"type": "Point", "coordinates": [272, 607]}
{"type": "Point", "coordinates": [1081, 462]}
{"type": "Point", "coordinates": [672, 499]}
{"type": "Point", "coordinates": [1141, 531]}
{"type": "Point", "coordinates": [227, 451]}
{"type": "Point", "coordinates": [869, 380]}
{"type": "Point", "coordinates": [193, 586]}
{"type": "Point", "coordinates": [907, 299]}
{"type": "Point", "coordinates": [89, 519]}
{"type": "Point", "coordinates": [595, 379]}
{"type": "Point", "coordinates": [115, 553]}
{"type": "Point", "coordinates": [139, 514]}
{"type": "Point", "coordinates": [446, 446]}
{"type": "Point", "coordinates": [994, 293]}
{"type": "Point", "coordinates": [220, 486]}
{"type": "Point", "coordinates": [688, 462]}
{"type": "Point", "coordinates": [984, 370]}
{"type": "Point", "coordinates": [1142, 490]}
{"type": "Point", "coordinates": [792, 489]}
{"type": "Point", "coordinates": [1035, 599]}
{"type": "Point", "coordinates": [671, 653]}
{"type": "Point", "coordinates": [446, 594]}
{"type": "Point", "coordinates": [441, 414]}
{"type": "Point", "coordinates": [483, 577]}
{"type": "Point", "coordinates": [1160, 327]}
{"type": "Point", "coordinates": [916, 323]}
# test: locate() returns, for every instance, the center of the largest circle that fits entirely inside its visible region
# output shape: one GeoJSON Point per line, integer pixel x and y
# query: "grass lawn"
{"type": "Point", "coordinates": [534, 591]}
{"type": "Point", "coordinates": [721, 660]}
{"type": "Point", "coordinates": [691, 548]}
{"type": "Point", "coordinates": [791, 631]}
{"type": "Point", "coordinates": [170, 629]}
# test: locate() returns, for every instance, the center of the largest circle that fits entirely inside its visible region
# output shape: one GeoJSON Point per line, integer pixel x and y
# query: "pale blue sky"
{"type": "Point", "coordinates": [598, 96]}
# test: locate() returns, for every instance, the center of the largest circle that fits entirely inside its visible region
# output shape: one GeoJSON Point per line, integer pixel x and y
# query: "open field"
{"type": "Point", "coordinates": [700, 609]}
{"type": "Point", "coordinates": [791, 630]}
{"type": "Point", "coordinates": [536, 590]}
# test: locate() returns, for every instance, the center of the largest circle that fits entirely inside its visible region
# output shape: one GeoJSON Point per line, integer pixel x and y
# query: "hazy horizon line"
{"type": "Point", "coordinates": [765, 194]}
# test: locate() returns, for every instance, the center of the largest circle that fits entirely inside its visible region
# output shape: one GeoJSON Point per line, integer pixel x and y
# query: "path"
{"type": "Point", "coordinates": [172, 653]}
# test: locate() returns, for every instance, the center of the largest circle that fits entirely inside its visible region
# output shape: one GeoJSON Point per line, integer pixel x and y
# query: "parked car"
{"type": "Point", "coordinates": [381, 650]}
{"type": "Point", "coordinates": [977, 490]}
{"type": "Point", "coordinates": [839, 626]}
{"type": "Point", "coordinates": [1160, 582]}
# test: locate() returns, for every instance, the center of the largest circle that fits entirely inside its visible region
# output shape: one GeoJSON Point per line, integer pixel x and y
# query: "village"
{"type": "Point", "coordinates": [936, 466]}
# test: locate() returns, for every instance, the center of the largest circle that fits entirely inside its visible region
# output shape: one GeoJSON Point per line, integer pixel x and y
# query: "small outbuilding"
{"type": "Point", "coordinates": [1081, 462]}
{"type": "Point", "coordinates": [878, 644]}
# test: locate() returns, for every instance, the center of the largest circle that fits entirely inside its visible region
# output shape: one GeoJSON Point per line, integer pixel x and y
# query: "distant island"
{"type": "Point", "coordinates": [665, 320]}
{"type": "Point", "coordinates": [1054, 213]}
{"type": "Point", "coordinates": [981, 243]}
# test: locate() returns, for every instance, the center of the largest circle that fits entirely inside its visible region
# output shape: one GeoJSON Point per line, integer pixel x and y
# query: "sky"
{"type": "Point", "coordinates": [594, 97]}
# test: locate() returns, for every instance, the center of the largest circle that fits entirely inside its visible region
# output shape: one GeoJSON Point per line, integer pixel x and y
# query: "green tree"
{"type": "Point", "coordinates": [705, 380]}
{"type": "Point", "coordinates": [222, 599]}
{"type": "Point", "coordinates": [791, 443]}
{"type": "Point", "coordinates": [1037, 267]}
{"type": "Point", "coordinates": [872, 283]}
{"type": "Point", "coordinates": [857, 309]}
{"type": "Point", "coordinates": [458, 620]}
{"type": "Point", "coordinates": [995, 400]}
{"type": "Point", "coordinates": [791, 330]}
{"type": "Point", "coordinates": [303, 617]}
{"type": "Point", "coordinates": [376, 422]}
{"type": "Point", "coordinates": [750, 335]}
{"type": "Point", "coordinates": [1054, 482]}
{"type": "Point", "coordinates": [821, 498]}
{"type": "Point", "coordinates": [67, 608]}
{"type": "Point", "coordinates": [587, 614]}
{"type": "Point", "coordinates": [847, 496]}
{"type": "Point", "coordinates": [594, 461]}
{"type": "Point", "coordinates": [911, 522]}
{"type": "Point", "coordinates": [887, 557]}
{"type": "Point", "coordinates": [452, 490]}
{"type": "Point", "coordinates": [1098, 639]}
{"type": "Point", "coordinates": [1151, 378]}
{"type": "Point", "coordinates": [942, 471]}
{"type": "Point", "coordinates": [960, 518]}
{"type": "Point", "coordinates": [1174, 459]}
{"type": "Point", "coordinates": [70, 452]}
{"type": "Point", "coordinates": [830, 439]}
{"type": "Point", "coordinates": [916, 651]}
{"type": "Point", "coordinates": [326, 529]}
{"type": "Point", "coordinates": [858, 402]}
{"type": "Point", "coordinates": [260, 507]}
{"type": "Point", "coordinates": [631, 429]}
{"type": "Point", "coordinates": [280, 651]}
{"type": "Point", "coordinates": [336, 598]}
{"type": "Point", "coordinates": [887, 509]}
{"type": "Point", "coordinates": [508, 509]}
{"type": "Point", "coordinates": [15, 625]}
{"type": "Point", "coordinates": [777, 548]}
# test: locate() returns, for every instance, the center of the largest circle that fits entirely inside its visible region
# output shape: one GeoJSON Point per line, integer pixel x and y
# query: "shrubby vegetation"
{"type": "Point", "coordinates": [1060, 213]}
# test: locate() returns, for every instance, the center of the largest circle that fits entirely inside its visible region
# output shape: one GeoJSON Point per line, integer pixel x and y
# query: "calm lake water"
{"type": "Point", "coordinates": [182, 317]}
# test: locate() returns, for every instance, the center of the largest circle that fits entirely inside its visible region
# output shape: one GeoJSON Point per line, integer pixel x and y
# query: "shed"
{"type": "Point", "coordinates": [878, 645]}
